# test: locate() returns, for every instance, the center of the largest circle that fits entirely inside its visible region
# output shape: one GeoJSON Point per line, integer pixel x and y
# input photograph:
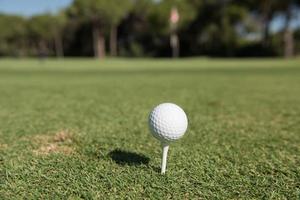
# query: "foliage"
{"type": "Point", "coordinates": [297, 40]}
{"type": "Point", "coordinates": [41, 27]}
{"type": "Point", "coordinates": [160, 13]}
{"type": "Point", "coordinates": [101, 11]}
{"type": "Point", "coordinates": [12, 34]}
{"type": "Point", "coordinates": [142, 28]}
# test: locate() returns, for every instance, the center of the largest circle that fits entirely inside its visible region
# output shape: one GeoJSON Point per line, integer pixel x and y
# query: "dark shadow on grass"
{"type": "Point", "coordinates": [155, 168]}
{"type": "Point", "coordinates": [128, 158]}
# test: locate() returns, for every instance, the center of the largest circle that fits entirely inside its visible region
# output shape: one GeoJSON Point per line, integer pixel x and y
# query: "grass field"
{"type": "Point", "coordinates": [78, 129]}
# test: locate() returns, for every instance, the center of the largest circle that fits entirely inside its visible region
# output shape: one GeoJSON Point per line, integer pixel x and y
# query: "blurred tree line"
{"type": "Point", "coordinates": [134, 28]}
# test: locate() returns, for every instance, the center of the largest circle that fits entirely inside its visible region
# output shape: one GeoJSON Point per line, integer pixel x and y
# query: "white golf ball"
{"type": "Point", "coordinates": [168, 122]}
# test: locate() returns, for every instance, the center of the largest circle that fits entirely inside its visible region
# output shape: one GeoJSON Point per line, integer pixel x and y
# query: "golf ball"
{"type": "Point", "coordinates": [168, 122]}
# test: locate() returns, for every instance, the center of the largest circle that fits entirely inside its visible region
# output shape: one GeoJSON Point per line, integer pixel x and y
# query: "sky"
{"type": "Point", "coordinates": [33, 7]}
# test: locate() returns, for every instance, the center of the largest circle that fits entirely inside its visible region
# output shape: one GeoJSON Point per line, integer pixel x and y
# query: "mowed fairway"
{"type": "Point", "coordinates": [78, 129]}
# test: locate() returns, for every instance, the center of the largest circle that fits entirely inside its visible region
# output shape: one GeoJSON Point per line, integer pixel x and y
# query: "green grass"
{"type": "Point", "coordinates": [243, 140]}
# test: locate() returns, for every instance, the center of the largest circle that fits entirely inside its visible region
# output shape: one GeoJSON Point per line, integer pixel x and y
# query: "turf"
{"type": "Point", "coordinates": [77, 129]}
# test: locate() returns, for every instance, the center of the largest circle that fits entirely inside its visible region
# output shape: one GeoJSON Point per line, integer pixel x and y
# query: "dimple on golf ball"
{"type": "Point", "coordinates": [168, 122]}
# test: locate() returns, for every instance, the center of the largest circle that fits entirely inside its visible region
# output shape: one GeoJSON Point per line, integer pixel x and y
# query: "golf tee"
{"type": "Point", "coordinates": [165, 148]}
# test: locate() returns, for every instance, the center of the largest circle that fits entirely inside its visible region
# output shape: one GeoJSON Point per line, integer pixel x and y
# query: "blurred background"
{"type": "Point", "coordinates": [149, 28]}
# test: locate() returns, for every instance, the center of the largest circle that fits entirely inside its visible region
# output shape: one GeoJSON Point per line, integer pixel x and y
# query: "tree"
{"type": "Point", "coordinates": [267, 10]}
{"type": "Point", "coordinates": [214, 29]}
{"type": "Point", "coordinates": [286, 8]}
{"type": "Point", "coordinates": [47, 29]}
{"type": "Point", "coordinates": [42, 32]}
{"type": "Point", "coordinates": [160, 18]}
{"type": "Point", "coordinates": [271, 8]}
{"type": "Point", "coordinates": [59, 22]}
{"type": "Point", "coordinates": [119, 10]}
{"type": "Point", "coordinates": [135, 32]}
{"type": "Point", "coordinates": [13, 38]}
{"type": "Point", "coordinates": [101, 14]}
{"type": "Point", "coordinates": [93, 12]}
{"type": "Point", "coordinates": [297, 41]}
